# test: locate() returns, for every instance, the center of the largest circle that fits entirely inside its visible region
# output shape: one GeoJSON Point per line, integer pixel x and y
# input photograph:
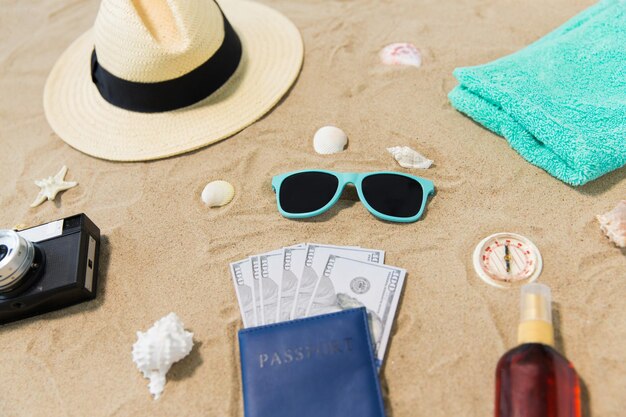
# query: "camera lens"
{"type": "Point", "coordinates": [3, 251]}
{"type": "Point", "coordinates": [16, 257]}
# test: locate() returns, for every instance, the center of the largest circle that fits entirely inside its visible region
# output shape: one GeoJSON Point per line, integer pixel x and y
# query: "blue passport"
{"type": "Point", "coordinates": [316, 366]}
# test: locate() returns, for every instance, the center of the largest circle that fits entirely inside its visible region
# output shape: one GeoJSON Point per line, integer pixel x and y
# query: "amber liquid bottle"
{"type": "Point", "coordinates": [533, 379]}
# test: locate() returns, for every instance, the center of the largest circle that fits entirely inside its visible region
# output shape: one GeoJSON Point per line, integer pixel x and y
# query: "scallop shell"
{"type": "Point", "coordinates": [401, 54]}
{"type": "Point", "coordinates": [218, 193]}
{"type": "Point", "coordinates": [329, 140]}
{"type": "Point", "coordinates": [613, 224]}
{"type": "Point", "coordinates": [409, 158]}
{"type": "Point", "coordinates": [157, 349]}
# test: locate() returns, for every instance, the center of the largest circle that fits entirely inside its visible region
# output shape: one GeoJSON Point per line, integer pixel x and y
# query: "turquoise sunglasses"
{"type": "Point", "coordinates": [391, 196]}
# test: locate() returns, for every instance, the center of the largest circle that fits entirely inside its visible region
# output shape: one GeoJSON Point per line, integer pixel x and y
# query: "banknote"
{"type": "Point", "coordinates": [255, 266]}
{"type": "Point", "coordinates": [270, 287]}
{"type": "Point", "coordinates": [271, 277]}
{"type": "Point", "coordinates": [241, 272]}
{"type": "Point", "coordinates": [315, 261]}
{"type": "Point", "coordinates": [270, 269]}
{"type": "Point", "coordinates": [352, 283]}
{"type": "Point", "coordinates": [292, 263]}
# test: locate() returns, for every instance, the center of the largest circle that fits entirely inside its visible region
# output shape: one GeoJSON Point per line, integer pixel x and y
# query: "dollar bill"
{"type": "Point", "coordinates": [292, 263]}
{"type": "Point", "coordinates": [352, 283]}
{"type": "Point", "coordinates": [241, 272]}
{"type": "Point", "coordinates": [312, 271]}
{"type": "Point", "coordinates": [255, 266]}
{"type": "Point", "coordinates": [270, 268]}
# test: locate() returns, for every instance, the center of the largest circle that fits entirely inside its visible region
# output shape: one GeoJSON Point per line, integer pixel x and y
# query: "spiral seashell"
{"type": "Point", "coordinates": [218, 193]}
{"type": "Point", "coordinates": [329, 139]}
{"type": "Point", "coordinates": [409, 158]}
{"type": "Point", "coordinates": [613, 224]}
{"type": "Point", "coordinates": [156, 350]}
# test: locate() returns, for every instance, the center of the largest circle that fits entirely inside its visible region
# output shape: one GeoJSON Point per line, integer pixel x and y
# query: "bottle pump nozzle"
{"type": "Point", "coordinates": [536, 315]}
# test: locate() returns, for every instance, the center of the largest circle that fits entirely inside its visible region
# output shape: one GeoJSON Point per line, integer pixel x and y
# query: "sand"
{"type": "Point", "coordinates": [164, 251]}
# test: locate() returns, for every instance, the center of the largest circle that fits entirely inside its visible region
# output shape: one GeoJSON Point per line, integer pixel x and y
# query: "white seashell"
{"type": "Point", "coordinates": [613, 224]}
{"type": "Point", "coordinates": [401, 54]}
{"type": "Point", "coordinates": [157, 349]}
{"type": "Point", "coordinates": [218, 193]}
{"type": "Point", "coordinates": [408, 158]}
{"type": "Point", "coordinates": [329, 139]}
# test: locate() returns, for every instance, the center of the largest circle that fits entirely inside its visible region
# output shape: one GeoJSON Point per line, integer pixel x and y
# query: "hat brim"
{"type": "Point", "coordinates": [271, 60]}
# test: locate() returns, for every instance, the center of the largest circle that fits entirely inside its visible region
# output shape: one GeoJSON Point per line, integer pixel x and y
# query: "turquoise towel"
{"type": "Point", "coordinates": [560, 102]}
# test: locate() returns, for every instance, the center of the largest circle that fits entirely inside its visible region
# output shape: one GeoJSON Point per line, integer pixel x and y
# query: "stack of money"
{"type": "Point", "coordinates": [311, 279]}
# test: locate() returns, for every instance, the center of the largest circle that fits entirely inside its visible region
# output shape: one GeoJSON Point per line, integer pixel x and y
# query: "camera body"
{"type": "Point", "coordinates": [48, 267]}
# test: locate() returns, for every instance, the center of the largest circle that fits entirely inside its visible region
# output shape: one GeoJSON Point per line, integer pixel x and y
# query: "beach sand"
{"type": "Point", "coordinates": [164, 251]}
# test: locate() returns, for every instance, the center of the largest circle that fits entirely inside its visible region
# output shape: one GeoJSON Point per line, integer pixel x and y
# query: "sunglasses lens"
{"type": "Point", "coordinates": [393, 195]}
{"type": "Point", "coordinates": [307, 191]}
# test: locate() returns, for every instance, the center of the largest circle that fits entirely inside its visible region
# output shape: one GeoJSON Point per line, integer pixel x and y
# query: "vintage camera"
{"type": "Point", "coordinates": [48, 267]}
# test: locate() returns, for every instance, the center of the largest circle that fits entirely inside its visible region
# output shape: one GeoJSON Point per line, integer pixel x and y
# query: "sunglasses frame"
{"type": "Point", "coordinates": [356, 179]}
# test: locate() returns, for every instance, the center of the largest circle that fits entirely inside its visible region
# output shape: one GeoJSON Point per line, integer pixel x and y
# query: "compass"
{"type": "Point", "coordinates": [507, 259]}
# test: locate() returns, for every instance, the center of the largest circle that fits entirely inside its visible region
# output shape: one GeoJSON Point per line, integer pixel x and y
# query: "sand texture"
{"type": "Point", "coordinates": [164, 251]}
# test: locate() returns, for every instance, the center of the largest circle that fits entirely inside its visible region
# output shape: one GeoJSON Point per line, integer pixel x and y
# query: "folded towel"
{"type": "Point", "coordinates": [560, 102]}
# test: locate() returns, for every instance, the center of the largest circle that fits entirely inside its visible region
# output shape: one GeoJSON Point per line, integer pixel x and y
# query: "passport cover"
{"type": "Point", "coordinates": [315, 366]}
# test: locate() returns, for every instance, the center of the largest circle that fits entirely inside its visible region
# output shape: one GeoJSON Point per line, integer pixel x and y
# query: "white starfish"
{"type": "Point", "coordinates": [51, 186]}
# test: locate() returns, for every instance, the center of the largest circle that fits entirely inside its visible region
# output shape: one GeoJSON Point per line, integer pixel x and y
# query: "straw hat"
{"type": "Point", "coordinates": [156, 78]}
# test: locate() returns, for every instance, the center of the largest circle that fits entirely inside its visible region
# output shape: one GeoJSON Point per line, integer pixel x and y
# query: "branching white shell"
{"type": "Point", "coordinates": [401, 54]}
{"type": "Point", "coordinates": [157, 349]}
{"type": "Point", "coordinates": [329, 140]}
{"type": "Point", "coordinates": [218, 193]}
{"type": "Point", "coordinates": [409, 158]}
{"type": "Point", "coordinates": [613, 224]}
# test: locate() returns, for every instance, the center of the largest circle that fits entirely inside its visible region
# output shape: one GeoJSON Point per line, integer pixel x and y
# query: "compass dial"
{"type": "Point", "coordinates": [507, 259]}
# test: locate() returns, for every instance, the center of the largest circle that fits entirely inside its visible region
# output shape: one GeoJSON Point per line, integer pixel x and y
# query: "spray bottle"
{"type": "Point", "coordinates": [533, 379]}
